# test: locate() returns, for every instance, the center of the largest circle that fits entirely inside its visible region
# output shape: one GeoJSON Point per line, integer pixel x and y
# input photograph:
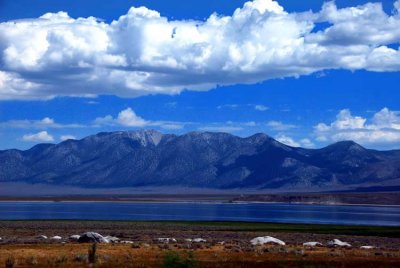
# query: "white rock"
{"type": "Point", "coordinates": [42, 237]}
{"type": "Point", "coordinates": [338, 243]}
{"type": "Point", "coordinates": [126, 242]}
{"type": "Point", "coordinates": [166, 240]}
{"type": "Point", "coordinates": [56, 237]}
{"type": "Point", "coordinates": [266, 240]}
{"type": "Point", "coordinates": [74, 237]}
{"type": "Point", "coordinates": [312, 244]}
{"type": "Point", "coordinates": [199, 240]}
{"type": "Point", "coordinates": [112, 239]}
{"type": "Point", "coordinates": [367, 247]}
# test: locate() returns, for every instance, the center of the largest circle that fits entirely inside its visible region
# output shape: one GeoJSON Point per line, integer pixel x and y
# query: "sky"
{"type": "Point", "coordinates": [308, 73]}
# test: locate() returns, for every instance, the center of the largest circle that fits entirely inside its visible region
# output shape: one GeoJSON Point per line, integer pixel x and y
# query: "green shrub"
{"type": "Point", "coordinates": [32, 261]}
{"type": "Point", "coordinates": [61, 259]}
{"type": "Point", "coordinates": [81, 258]}
{"type": "Point", "coordinates": [174, 260]}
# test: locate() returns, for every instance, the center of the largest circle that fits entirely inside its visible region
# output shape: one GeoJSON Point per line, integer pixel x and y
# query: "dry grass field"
{"type": "Point", "coordinates": [227, 245]}
{"type": "Point", "coordinates": [76, 255]}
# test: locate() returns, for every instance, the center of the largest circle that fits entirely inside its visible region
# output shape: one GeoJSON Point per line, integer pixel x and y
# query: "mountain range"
{"type": "Point", "coordinates": [148, 158]}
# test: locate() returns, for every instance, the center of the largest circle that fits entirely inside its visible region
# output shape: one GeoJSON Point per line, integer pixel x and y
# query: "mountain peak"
{"type": "Point", "coordinates": [259, 138]}
{"type": "Point", "coordinates": [146, 136]}
{"type": "Point", "coordinates": [347, 145]}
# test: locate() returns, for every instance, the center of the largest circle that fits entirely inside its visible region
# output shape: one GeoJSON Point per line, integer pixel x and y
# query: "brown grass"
{"type": "Point", "coordinates": [75, 255]}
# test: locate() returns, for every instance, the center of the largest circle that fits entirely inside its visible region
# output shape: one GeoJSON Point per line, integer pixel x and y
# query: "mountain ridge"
{"type": "Point", "coordinates": [214, 160]}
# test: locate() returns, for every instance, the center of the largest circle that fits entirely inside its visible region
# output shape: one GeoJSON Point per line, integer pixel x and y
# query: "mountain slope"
{"type": "Point", "coordinates": [197, 159]}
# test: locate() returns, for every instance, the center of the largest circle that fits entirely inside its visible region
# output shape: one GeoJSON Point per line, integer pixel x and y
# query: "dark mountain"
{"type": "Point", "coordinates": [197, 159]}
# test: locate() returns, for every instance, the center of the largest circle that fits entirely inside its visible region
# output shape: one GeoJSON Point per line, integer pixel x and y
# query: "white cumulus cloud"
{"type": "Point", "coordinates": [382, 128]}
{"type": "Point", "coordinates": [42, 136]}
{"type": "Point", "coordinates": [306, 143]}
{"type": "Point", "coordinates": [143, 52]}
{"type": "Point", "coordinates": [129, 118]}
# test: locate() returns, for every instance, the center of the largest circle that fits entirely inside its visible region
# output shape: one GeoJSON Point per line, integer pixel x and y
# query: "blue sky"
{"type": "Point", "coordinates": [304, 99]}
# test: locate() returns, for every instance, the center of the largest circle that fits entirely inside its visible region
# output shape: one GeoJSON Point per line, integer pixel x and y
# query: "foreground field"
{"type": "Point", "coordinates": [226, 245]}
{"type": "Point", "coordinates": [75, 255]}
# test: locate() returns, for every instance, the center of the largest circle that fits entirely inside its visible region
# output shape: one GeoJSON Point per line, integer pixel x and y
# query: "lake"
{"type": "Point", "coordinates": [250, 212]}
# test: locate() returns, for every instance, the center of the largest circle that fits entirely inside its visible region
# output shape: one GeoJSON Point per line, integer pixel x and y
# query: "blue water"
{"type": "Point", "coordinates": [283, 213]}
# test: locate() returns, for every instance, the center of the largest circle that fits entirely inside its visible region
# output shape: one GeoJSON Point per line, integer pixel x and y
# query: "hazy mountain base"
{"type": "Point", "coordinates": [40, 192]}
{"type": "Point", "coordinates": [40, 189]}
{"type": "Point", "coordinates": [21, 189]}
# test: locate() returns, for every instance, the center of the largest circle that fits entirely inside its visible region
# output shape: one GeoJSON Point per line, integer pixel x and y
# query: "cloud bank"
{"type": "Point", "coordinates": [145, 53]}
{"type": "Point", "coordinates": [45, 123]}
{"type": "Point", "coordinates": [383, 127]}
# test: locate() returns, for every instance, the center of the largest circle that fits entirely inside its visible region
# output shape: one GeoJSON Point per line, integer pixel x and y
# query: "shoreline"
{"type": "Point", "coordinates": [256, 225]}
{"type": "Point", "coordinates": [199, 202]}
{"type": "Point", "coordinates": [179, 201]}
{"type": "Point", "coordinates": [321, 198]}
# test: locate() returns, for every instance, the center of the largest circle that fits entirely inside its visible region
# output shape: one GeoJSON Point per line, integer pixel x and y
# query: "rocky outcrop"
{"type": "Point", "coordinates": [166, 240]}
{"type": "Point", "coordinates": [92, 237]}
{"type": "Point", "coordinates": [266, 240]}
{"type": "Point", "coordinates": [338, 243]}
{"type": "Point", "coordinates": [74, 237]}
{"type": "Point", "coordinates": [312, 244]}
